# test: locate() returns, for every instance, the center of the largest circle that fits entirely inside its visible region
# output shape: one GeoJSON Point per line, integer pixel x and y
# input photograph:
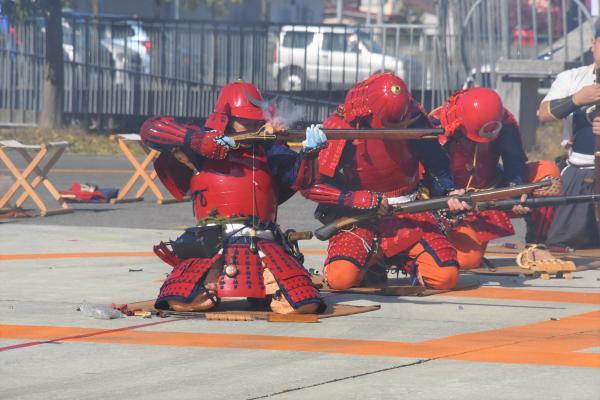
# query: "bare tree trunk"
{"type": "Point", "coordinates": [95, 7]}
{"type": "Point", "coordinates": [157, 8]}
{"type": "Point", "coordinates": [52, 98]}
{"type": "Point", "coordinates": [265, 10]}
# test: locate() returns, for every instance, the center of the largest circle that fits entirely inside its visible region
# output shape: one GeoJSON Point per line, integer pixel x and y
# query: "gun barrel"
{"type": "Point", "coordinates": [487, 198]}
{"type": "Point", "coordinates": [536, 202]}
{"type": "Point", "coordinates": [351, 134]}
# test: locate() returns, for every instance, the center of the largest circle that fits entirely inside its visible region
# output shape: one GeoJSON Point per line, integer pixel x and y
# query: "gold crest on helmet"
{"type": "Point", "coordinates": [396, 89]}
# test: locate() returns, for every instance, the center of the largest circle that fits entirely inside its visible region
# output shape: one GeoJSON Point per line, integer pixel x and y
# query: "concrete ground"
{"type": "Point", "coordinates": [512, 338]}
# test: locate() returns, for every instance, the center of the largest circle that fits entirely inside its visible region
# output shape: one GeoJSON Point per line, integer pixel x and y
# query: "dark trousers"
{"type": "Point", "coordinates": [575, 225]}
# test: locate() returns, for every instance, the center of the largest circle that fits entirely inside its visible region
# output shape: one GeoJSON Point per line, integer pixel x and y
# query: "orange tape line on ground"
{"type": "Point", "coordinates": [313, 251]}
{"type": "Point", "coordinates": [543, 343]}
{"type": "Point", "coordinates": [46, 256]}
{"type": "Point", "coordinates": [86, 171]}
{"type": "Point", "coordinates": [528, 295]}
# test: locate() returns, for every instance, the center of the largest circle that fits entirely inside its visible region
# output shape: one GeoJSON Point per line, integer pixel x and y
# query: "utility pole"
{"type": "Point", "coordinates": [338, 11]}
{"type": "Point", "coordinates": [380, 12]}
{"type": "Point", "coordinates": [368, 12]}
{"type": "Point", "coordinates": [176, 9]}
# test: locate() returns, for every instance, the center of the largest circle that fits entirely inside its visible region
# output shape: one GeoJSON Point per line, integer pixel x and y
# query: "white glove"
{"type": "Point", "coordinates": [226, 141]}
{"type": "Point", "coordinates": [315, 138]}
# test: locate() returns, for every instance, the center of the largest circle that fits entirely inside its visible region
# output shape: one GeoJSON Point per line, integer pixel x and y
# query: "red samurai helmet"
{"type": "Point", "coordinates": [477, 112]}
{"type": "Point", "coordinates": [237, 99]}
{"type": "Point", "coordinates": [384, 97]}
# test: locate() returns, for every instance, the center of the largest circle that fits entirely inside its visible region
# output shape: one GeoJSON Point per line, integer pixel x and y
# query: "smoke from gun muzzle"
{"type": "Point", "coordinates": [283, 112]}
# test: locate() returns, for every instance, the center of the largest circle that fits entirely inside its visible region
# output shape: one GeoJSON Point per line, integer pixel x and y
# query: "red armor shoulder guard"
{"type": "Point", "coordinates": [509, 118]}
{"type": "Point", "coordinates": [174, 175]}
{"type": "Point", "coordinates": [434, 117]}
{"type": "Point", "coordinates": [307, 174]}
{"type": "Point", "coordinates": [329, 157]}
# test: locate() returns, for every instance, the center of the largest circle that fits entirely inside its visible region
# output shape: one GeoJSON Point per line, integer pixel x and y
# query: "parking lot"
{"type": "Point", "coordinates": [512, 337]}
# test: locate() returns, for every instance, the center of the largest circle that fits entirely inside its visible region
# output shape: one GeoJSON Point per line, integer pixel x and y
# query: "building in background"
{"type": "Point", "coordinates": [296, 11]}
{"type": "Point", "coordinates": [386, 11]}
{"type": "Point", "coordinates": [277, 11]}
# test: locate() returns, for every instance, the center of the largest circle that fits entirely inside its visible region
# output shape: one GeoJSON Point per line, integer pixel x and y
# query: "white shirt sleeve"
{"type": "Point", "coordinates": [561, 87]}
{"type": "Point", "coordinates": [567, 135]}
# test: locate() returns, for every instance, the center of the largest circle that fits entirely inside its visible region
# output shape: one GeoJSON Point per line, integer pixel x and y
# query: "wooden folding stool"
{"type": "Point", "coordinates": [54, 151]}
{"type": "Point", "coordinates": [139, 172]}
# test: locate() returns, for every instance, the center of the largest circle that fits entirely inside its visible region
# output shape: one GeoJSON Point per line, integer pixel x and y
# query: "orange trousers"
{"type": "Point", "coordinates": [343, 274]}
{"type": "Point", "coordinates": [469, 250]}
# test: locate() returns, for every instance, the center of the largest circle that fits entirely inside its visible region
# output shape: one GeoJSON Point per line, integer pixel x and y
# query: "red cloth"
{"type": "Point", "coordinates": [490, 225]}
{"type": "Point", "coordinates": [397, 233]}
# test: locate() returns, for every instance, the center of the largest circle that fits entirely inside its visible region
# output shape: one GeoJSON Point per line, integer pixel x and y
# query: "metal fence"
{"type": "Point", "coordinates": [117, 67]}
{"type": "Point", "coordinates": [130, 67]}
{"type": "Point", "coordinates": [490, 30]}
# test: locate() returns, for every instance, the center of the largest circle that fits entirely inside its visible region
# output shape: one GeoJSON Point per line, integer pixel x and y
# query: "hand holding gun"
{"type": "Point", "coordinates": [475, 200]}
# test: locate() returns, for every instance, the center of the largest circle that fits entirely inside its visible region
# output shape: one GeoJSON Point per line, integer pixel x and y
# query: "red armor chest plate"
{"type": "Point", "coordinates": [235, 186]}
{"type": "Point", "coordinates": [385, 166]}
{"type": "Point", "coordinates": [484, 170]}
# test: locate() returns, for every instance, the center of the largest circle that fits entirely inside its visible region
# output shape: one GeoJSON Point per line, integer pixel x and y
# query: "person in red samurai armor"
{"type": "Point", "coordinates": [478, 133]}
{"type": "Point", "coordinates": [360, 175]}
{"type": "Point", "coordinates": [237, 249]}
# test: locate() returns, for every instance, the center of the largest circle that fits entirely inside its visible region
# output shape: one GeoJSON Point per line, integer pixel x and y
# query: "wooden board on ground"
{"type": "Point", "coordinates": [395, 287]}
{"type": "Point", "coordinates": [503, 259]}
{"type": "Point", "coordinates": [507, 266]}
{"type": "Point", "coordinates": [239, 310]}
{"type": "Point", "coordinates": [516, 248]}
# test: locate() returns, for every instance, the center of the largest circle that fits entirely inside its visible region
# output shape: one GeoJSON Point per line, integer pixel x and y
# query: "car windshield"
{"type": "Point", "coordinates": [369, 43]}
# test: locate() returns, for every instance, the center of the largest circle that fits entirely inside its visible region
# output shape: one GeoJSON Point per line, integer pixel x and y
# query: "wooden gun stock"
{"type": "Point", "coordinates": [295, 236]}
{"type": "Point", "coordinates": [296, 135]}
{"type": "Point", "coordinates": [327, 231]}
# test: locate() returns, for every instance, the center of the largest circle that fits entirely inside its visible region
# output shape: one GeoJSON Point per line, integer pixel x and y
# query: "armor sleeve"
{"type": "Point", "coordinates": [293, 170]}
{"type": "Point", "coordinates": [204, 144]}
{"type": "Point", "coordinates": [432, 156]}
{"type": "Point", "coordinates": [436, 163]}
{"type": "Point", "coordinates": [510, 147]}
{"type": "Point", "coordinates": [358, 199]}
{"type": "Point", "coordinates": [163, 133]}
{"type": "Point", "coordinates": [562, 108]}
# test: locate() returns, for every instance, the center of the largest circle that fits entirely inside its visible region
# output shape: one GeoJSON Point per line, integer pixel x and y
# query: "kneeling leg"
{"type": "Point", "coordinates": [436, 263]}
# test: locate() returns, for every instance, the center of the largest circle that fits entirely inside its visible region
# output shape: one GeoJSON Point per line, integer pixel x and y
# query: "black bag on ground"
{"type": "Point", "coordinates": [198, 242]}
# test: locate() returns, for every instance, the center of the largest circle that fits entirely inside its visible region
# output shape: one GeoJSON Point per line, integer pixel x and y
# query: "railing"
{"type": "Point", "coordinates": [559, 30]}
{"type": "Point", "coordinates": [129, 67]}
{"type": "Point", "coordinates": [116, 67]}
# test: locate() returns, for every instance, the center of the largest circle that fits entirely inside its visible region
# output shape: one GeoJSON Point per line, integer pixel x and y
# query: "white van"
{"type": "Point", "coordinates": [313, 57]}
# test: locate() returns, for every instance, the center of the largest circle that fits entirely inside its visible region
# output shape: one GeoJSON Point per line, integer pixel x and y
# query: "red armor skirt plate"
{"type": "Point", "coordinates": [490, 225]}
